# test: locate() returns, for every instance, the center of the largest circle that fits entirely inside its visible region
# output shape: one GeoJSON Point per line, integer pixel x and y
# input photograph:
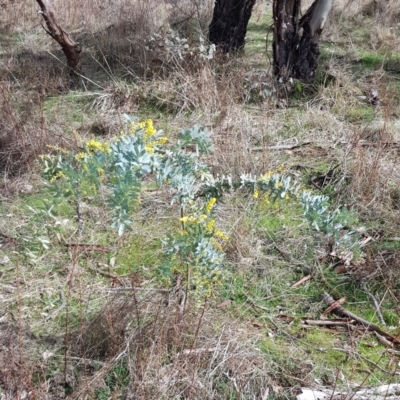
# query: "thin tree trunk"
{"type": "Point", "coordinates": [296, 41]}
{"type": "Point", "coordinates": [71, 49]}
{"type": "Point", "coordinates": [307, 54]}
{"type": "Point", "coordinates": [286, 15]}
{"type": "Point", "coordinates": [229, 24]}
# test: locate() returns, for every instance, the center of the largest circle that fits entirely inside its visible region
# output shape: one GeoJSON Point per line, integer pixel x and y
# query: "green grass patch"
{"type": "Point", "coordinates": [71, 107]}
{"type": "Point", "coordinates": [139, 254]}
{"type": "Point", "coordinates": [371, 60]}
{"type": "Point", "coordinates": [116, 381]}
{"type": "Point", "coordinates": [257, 38]}
{"type": "Point", "coordinates": [359, 113]}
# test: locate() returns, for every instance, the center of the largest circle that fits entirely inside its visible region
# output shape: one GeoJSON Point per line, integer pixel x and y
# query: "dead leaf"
{"type": "Point", "coordinates": [224, 303]}
{"type": "Point", "coordinates": [340, 269]}
{"type": "Point", "coordinates": [285, 318]}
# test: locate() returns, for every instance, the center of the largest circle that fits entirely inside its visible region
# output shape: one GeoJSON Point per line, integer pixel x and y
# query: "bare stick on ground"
{"type": "Point", "coordinates": [368, 325]}
{"type": "Point", "coordinates": [71, 49]}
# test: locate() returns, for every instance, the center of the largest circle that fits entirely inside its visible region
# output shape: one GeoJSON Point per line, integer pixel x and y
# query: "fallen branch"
{"type": "Point", "coordinates": [90, 247]}
{"type": "Point", "coordinates": [131, 289]}
{"type": "Point", "coordinates": [375, 302]}
{"type": "Point", "coordinates": [281, 147]}
{"type": "Point", "coordinates": [363, 143]}
{"type": "Point", "coordinates": [334, 305]}
{"type": "Point", "coordinates": [368, 325]}
{"type": "Point", "coordinates": [288, 257]}
{"type": "Point", "coordinates": [54, 313]}
{"type": "Point", "coordinates": [328, 322]}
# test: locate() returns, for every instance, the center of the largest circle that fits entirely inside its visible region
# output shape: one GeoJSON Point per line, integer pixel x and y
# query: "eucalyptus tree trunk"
{"type": "Point", "coordinates": [229, 24]}
{"type": "Point", "coordinates": [71, 49]}
{"type": "Point", "coordinates": [296, 39]}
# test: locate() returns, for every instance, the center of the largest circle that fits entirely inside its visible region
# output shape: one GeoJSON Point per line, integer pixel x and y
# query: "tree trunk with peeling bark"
{"type": "Point", "coordinates": [71, 49]}
{"type": "Point", "coordinates": [229, 24]}
{"type": "Point", "coordinates": [296, 40]}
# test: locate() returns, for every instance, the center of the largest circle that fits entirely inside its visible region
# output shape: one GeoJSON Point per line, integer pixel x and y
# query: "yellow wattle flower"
{"type": "Point", "coordinates": [221, 235]}
{"type": "Point", "coordinates": [149, 128]}
{"type": "Point", "coordinates": [93, 146]}
{"type": "Point", "coordinates": [210, 204]}
{"type": "Point", "coordinates": [80, 156]}
{"type": "Point", "coordinates": [210, 225]}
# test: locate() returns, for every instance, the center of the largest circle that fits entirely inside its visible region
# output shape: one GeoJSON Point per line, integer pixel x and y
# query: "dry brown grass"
{"type": "Point", "coordinates": [162, 353]}
{"type": "Point", "coordinates": [24, 133]}
{"type": "Point", "coordinates": [170, 354]}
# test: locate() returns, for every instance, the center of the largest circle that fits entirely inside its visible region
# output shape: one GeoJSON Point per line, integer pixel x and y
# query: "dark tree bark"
{"type": "Point", "coordinates": [71, 49]}
{"type": "Point", "coordinates": [296, 40]}
{"type": "Point", "coordinates": [229, 24]}
{"type": "Point", "coordinates": [286, 18]}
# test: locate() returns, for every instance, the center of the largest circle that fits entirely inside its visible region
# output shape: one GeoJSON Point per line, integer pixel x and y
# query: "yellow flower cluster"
{"type": "Point", "coordinates": [101, 172]}
{"type": "Point", "coordinates": [149, 149]}
{"type": "Point", "coordinates": [217, 245]}
{"type": "Point", "coordinates": [194, 220]}
{"type": "Point", "coordinates": [210, 225]}
{"type": "Point", "coordinates": [149, 128]}
{"type": "Point", "coordinates": [58, 175]}
{"type": "Point", "coordinates": [266, 198]}
{"type": "Point", "coordinates": [58, 149]}
{"type": "Point", "coordinates": [80, 156]}
{"type": "Point", "coordinates": [93, 146]}
{"type": "Point", "coordinates": [210, 204]}
{"type": "Point", "coordinates": [268, 174]}
{"type": "Point", "coordinates": [206, 281]}
{"type": "Point", "coordinates": [149, 131]}
{"type": "Point", "coordinates": [220, 235]}
{"type": "Point", "coordinates": [151, 145]}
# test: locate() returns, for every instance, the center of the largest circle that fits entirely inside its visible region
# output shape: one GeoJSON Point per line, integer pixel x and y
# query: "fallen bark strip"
{"type": "Point", "coordinates": [363, 143]}
{"type": "Point", "coordinates": [281, 147]}
{"type": "Point", "coordinates": [328, 322]}
{"type": "Point", "coordinates": [383, 392]}
{"type": "Point", "coordinates": [374, 144]}
{"type": "Point", "coordinates": [383, 340]}
{"type": "Point", "coordinates": [187, 352]}
{"type": "Point", "coordinates": [302, 280]}
{"type": "Point", "coordinates": [368, 325]}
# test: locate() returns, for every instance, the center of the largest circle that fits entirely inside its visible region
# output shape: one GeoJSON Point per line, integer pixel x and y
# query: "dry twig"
{"type": "Point", "coordinates": [368, 325]}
